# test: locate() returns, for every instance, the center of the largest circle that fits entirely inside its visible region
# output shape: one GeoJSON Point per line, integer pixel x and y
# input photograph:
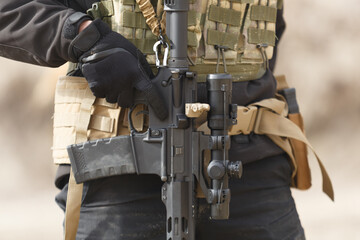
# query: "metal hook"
{"type": "Point", "coordinates": [166, 52]}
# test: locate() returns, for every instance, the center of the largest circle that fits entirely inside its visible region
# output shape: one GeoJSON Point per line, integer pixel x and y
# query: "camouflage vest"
{"type": "Point", "coordinates": [246, 28]}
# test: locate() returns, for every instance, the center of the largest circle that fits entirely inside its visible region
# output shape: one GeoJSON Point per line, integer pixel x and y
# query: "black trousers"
{"type": "Point", "coordinates": [130, 207]}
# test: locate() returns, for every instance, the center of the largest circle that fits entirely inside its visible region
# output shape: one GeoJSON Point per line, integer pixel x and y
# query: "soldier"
{"type": "Point", "coordinates": [53, 32]}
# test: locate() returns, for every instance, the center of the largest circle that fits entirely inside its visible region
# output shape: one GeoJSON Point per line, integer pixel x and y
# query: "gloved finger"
{"type": "Point", "coordinates": [144, 64]}
{"type": "Point", "coordinates": [156, 102]}
{"type": "Point", "coordinates": [89, 72]}
{"type": "Point", "coordinates": [126, 99]}
{"type": "Point", "coordinates": [97, 90]}
{"type": "Point", "coordinates": [111, 98]}
{"type": "Point", "coordinates": [153, 97]}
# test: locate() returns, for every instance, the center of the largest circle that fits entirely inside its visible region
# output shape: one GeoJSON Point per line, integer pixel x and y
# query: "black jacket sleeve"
{"type": "Point", "coordinates": [31, 31]}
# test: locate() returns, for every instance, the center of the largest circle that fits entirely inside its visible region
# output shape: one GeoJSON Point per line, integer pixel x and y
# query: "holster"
{"type": "Point", "coordinates": [302, 178]}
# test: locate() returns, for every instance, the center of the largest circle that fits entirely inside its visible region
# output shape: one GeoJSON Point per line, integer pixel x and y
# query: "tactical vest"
{"type": "Point", "coordinates": [238, 35]}
{"type": "Point", "coordinates": [245, 30]}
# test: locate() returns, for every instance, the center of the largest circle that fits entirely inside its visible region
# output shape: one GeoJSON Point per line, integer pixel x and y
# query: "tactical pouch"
{"type": "Point", "coordinates": [79, 116]}
{"type": "Point", "coordinates": [302, 178]}
{"type": "Point", "coordinates": [280, 120]}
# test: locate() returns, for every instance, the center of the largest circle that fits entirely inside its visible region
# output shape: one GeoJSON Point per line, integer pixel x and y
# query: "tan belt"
{"type": "Point", "coordinates": [268, 117]}
{"type": "Point", "coordinates": [73, 202]}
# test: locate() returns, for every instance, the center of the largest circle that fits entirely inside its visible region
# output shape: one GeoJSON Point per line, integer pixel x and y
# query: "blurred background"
{"type": "Point", "coordinates": [318, 54]}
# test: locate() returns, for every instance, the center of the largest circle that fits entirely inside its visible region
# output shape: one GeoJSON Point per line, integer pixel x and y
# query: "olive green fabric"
{"type": "Point", "coordinates": [214, 24]}
{"type": "Point", "coordinates": [239, 72]}
{"type": "Point", "coordinates": [145, 45]}
{"type": "Point", "coordinates": [134, 20]}
{"type": "Point", "coordinates": [261, 36]}
{"type": "Point", "coordinates": [192, 18]}
{"type": "Point", "coordinates": [129, 2]}
{"type": "Point", "coordinates": [242, 1]}
{"type": "Point", "coordinates": [224, 15]}
{"type": "Point", "coordinates": [263, 13]}
{"type": "Point", "coordinates": [192, 39]}
{"type": "Point", "coordinates": [101, 9]}
{"type": "Point", "coordinates": [222, 38]}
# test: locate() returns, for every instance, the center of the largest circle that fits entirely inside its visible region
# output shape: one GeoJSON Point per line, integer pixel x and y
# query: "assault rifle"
{"type": "Point", "coordinates": [172, 147]}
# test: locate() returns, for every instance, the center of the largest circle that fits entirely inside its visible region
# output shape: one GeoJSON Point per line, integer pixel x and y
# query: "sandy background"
{"type": "Point", "coordinates": [318, 53]}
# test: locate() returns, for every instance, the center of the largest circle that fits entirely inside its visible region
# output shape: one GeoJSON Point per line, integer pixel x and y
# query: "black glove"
{"type": "Point", "coordinates": [113, 66]}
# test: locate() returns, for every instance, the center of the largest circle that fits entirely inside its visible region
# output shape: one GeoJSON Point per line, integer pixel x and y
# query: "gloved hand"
{"type": "Point", "coordinates": [113, 66]}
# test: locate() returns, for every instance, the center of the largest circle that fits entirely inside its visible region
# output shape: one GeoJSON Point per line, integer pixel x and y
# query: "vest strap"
{"type": "Point", "coordinates": [73, 204]}
{"type": "Point", "coordinates": [278, 127]}
{"type": "Point", "coordinates": [268, 117]}
{"type": "Point", "coordinates": [101, 123]}
{"type": "Point", "coordinates": [72, 212]}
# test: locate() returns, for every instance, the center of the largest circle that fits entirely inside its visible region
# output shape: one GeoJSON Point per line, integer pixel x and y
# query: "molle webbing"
{"type": "Point", "coordinates": [263, 13]}
{"type": "Point", "coordinates": [79, 116]}
{"type": "Point", "coordinates": [134, 20]}
{"type": "Point", "coordinates": [239, 72]}
{"type": "Point", "coordinates": [227, 16]}
{"type": "Point", "coordinates": [103, 10]}
{"type": "Point", "coordinates": [224, 15]}
{"type": "Point", "coordinates": [145, 45]}
{"type": "Point", "coordinates": [261, 36]}
{"type": "Point", "coordinates": [192, 18]}
{"type": "Point", "coordinates": [242, 1]}
{"type": "Point", "coordinates": [245, 29]}
{"type": "Point", "coordinates": [192, 40]}
{"type": "Point", "coordinates": [222, 39]}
